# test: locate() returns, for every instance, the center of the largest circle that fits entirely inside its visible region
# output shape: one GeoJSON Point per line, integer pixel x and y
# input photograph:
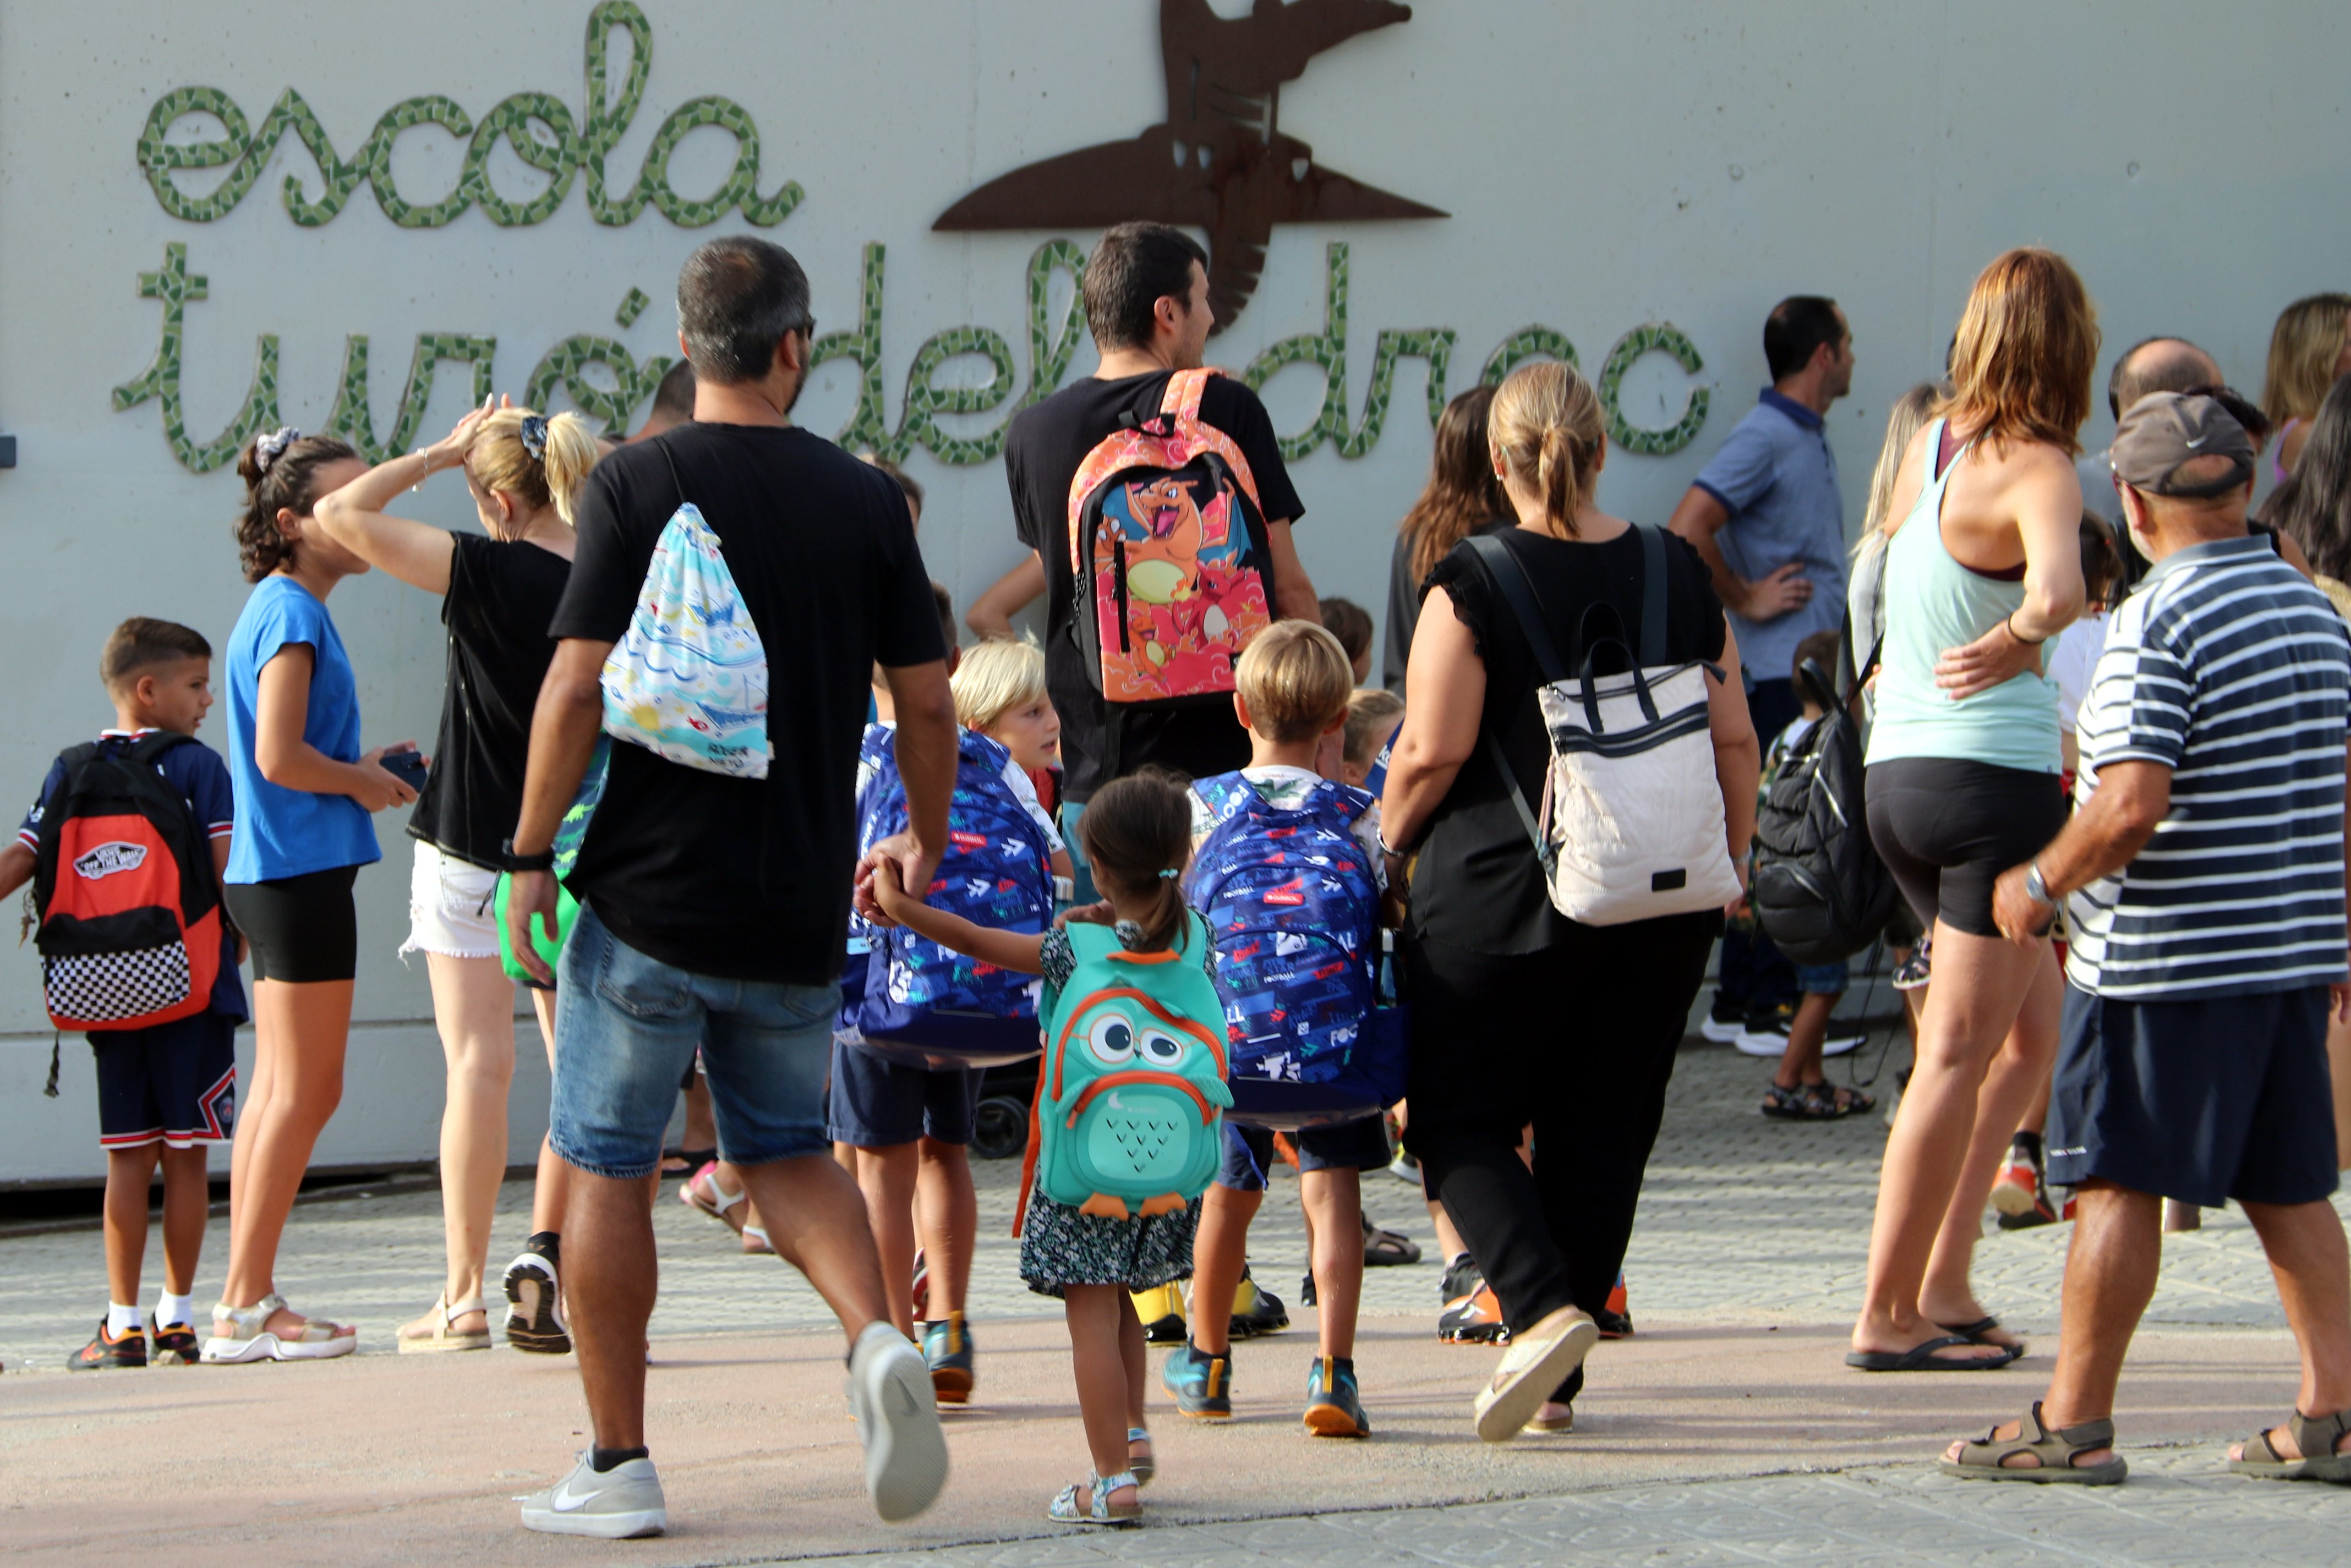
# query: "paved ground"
{"type": "Point", "coordinates": [1697, 1435]}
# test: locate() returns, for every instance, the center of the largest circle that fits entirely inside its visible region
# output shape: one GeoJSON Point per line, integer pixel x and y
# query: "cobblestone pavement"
{"type": "Point", "coordinates": [1743, 1220]}
{"type": "Point", "coordinates": [2173, 1510]}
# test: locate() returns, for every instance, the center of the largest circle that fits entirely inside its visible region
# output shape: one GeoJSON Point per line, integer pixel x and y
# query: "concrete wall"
{"type": "Point", "coordinates": [1605, 167]}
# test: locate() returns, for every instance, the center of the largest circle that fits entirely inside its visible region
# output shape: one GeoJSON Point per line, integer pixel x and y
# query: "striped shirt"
{"type": "Point", "coordinates": [2232, 670]}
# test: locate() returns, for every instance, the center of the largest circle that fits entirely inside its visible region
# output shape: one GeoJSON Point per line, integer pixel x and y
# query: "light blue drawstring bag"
{"type": "Point", "coordinates": [688, 680]}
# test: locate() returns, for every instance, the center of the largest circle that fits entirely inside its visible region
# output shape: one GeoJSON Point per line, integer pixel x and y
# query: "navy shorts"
{"type": "Point", "coordinates": [1359, 1145]}
{"type": "Point", "coordinates": [880, 1104]}
{"type": "Point", "coordinates": [172, 1084]}
{"type": "Point", "coordinates": [2199, 1100]}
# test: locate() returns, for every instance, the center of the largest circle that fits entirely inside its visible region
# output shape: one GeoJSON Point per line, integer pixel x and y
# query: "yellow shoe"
{"type": "Point", "coordinates": [1162, 1311]}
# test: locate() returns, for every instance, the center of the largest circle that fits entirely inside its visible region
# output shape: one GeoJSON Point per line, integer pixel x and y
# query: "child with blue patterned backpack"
{"type": "Point", "coordinates": [1127, 1127]}
{"type": "Point", "coordinates": [1286, 870]}
{"type": "Point", "coordinates": [907, 1127]}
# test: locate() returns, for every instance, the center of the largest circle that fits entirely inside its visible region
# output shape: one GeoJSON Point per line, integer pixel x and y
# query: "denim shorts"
{"type": "Point", "coordinates": [880, 1104]}
{"type": "Point", "coordinates": [1823, 979]}
{"type": "Point", "coordinates": [626, 1027]}
{"type": "Point", "coordinates": [1359, 1145]}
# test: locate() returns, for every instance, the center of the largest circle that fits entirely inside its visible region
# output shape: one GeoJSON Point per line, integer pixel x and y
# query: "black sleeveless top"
{"type": "Point", "coordinates": [1477, 884]}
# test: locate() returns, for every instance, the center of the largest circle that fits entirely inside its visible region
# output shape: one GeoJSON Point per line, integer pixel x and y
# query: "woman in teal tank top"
{"type": "Point", "coordinates": [1982, 570]}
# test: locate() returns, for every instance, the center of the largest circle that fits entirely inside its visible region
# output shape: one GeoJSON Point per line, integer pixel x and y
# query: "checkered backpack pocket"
{"type": "Point", "coordinates": [130, 931]}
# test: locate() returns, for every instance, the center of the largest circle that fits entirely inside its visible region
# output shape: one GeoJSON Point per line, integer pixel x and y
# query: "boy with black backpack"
{"type": "Point", "coordinates": [1286, 870]}
{"type": "Point", "coordinates": [125, 846]}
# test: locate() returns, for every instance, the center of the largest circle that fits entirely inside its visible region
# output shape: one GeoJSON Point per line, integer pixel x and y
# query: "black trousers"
{"type": "Point", "coordinates": [1579, 1041]}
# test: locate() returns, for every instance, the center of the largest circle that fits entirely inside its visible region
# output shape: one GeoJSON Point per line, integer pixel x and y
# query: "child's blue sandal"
{"type": "Point", "coordinates": [1100, 1509]}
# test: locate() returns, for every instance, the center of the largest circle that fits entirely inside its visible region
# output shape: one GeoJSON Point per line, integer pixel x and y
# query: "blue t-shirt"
{"type": "Point", "coordinates": [195, 770]}
{"type": "Point", "coordinates": [287, 831]}
{"type": "Point", "coordinates": [1775, 475]}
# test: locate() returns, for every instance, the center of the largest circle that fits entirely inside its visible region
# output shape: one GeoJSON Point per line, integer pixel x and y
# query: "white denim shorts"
{"type": "Point", "coordinates": [452, 907]}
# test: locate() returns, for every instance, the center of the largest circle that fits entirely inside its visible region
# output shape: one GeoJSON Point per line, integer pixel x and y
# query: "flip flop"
{"type": "Point", "coordinates": [1922, 1358]}
{"type": "Point", "coordinates": [1974, 1332]}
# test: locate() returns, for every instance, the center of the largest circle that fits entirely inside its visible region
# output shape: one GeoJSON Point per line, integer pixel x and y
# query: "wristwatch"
{"type": "Point", "coordinates": [516, 861]}
{"type": "Point", "coordinates": [2036, 889]}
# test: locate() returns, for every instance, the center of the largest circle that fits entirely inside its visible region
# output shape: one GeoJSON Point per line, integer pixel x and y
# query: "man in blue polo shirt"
{"type": "Point", "coordinates": [1766, 514]}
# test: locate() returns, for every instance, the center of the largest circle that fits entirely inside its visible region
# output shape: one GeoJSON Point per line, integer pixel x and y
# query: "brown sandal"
{"type": "Point", "coordinates": [2315, 1436]}
{"type": "Point", "coordinates": [1986, 1457]}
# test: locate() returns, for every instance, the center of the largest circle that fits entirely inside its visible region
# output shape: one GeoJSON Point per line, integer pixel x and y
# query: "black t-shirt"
{"type": "Point", "coordinates": [1478, 884]}
{"type": "Point", "coordinates": [500, 601]}
{"type": "Point", "coordinates": [1041, 454]}
{"type": "Point", "coordinates": [749, 879]}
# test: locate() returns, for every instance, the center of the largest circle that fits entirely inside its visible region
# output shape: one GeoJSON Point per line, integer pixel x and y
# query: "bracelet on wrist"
{"type": "Point", "coordinates": [517, 861]}
{"type": "Point", "coordinates": [2036, 887]}
{"type": "Point", "coordinates": [2010, 622]}
{"type": "Point", "coordinates": [1387, 849]}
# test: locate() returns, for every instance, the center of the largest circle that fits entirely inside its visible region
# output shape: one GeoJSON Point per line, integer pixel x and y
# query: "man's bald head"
{"type": "Point", "coordinates": [2158, 365]}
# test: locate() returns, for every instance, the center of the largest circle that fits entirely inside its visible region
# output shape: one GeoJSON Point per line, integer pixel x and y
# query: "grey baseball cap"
{"type": "Point", "coordinates": [2163, 430]}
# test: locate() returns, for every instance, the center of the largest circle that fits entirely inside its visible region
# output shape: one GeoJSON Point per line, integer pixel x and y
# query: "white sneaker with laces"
{"type": "Point", "coordinates": [897, 1415]}
{"type": "Point", "coordinates": [617, 1504]}
{"type": "Point", "coordinates": [1771, 1039]}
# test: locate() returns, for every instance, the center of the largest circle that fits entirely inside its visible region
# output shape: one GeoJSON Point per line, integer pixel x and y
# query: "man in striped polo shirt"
{"type": "Point", "coordinates": [2205, 868]}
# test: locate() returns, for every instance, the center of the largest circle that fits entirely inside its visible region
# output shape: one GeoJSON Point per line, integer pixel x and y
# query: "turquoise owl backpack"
{"type": "Point", "coordinates": [1131, 1095]}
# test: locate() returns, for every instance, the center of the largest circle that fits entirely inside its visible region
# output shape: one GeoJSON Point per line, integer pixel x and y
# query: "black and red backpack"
{"type": "Point", "coordinates": [129, 906]}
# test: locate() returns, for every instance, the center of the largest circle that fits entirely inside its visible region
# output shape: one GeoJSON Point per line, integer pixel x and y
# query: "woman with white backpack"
{"type": "Point", "coordinates": [1574, 786]}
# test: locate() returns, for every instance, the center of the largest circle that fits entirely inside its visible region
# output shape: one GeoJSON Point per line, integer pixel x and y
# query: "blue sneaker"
{"type": "Point", "coordinates": [947, 1347]}
{"type": "Point", "coordinates": [1203, 1385]}
{"type": "Point", "coordinates": [1333, 1408]}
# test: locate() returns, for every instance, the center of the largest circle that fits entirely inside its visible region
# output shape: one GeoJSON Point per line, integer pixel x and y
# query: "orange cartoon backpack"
{"type": "Point", "coordinates": [1168, 543]}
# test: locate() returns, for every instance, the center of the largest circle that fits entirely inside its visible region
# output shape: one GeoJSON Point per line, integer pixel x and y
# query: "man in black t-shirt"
{"type": "Point", "coordinates": [1146, 298]}
{"type": "Point", "coordinates": [712, 909]}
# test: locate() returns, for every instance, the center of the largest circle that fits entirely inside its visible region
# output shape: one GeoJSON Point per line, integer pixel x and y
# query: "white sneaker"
{"type": "Point", "coordinates": [535, 1307]}
{"type": "Point", "coordinates": [1721, 1031]}
{"type": "Point", "coordinates": [620, 1504]}
{"type": "Point", "coordinates": [1771, 1039]}
{"type": "Point", "coordinates": [897, 1415]}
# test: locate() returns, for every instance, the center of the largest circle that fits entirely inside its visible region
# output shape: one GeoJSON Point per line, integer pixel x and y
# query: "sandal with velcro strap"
{"type": "Point", "coordinates": [2315, 1436]}
{"type": "Point", "coordinates": [1986, 1457]}
{"type": "Point", "coordinates": [1100, 1509]}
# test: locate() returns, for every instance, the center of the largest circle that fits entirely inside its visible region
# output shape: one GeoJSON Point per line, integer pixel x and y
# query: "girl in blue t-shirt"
{"type": "Point", "coordinates": [304, 793]}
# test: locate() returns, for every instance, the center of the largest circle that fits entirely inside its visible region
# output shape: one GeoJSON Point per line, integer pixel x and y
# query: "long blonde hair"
{"type": "Point", "coordinates": [501, 459]}
{"type": "Point", "coordinates": [1546, 422]}
{"type": "Point", "coordinates": [1903, 419]}
{"type": "Point", "coordinates": [2303, 347]}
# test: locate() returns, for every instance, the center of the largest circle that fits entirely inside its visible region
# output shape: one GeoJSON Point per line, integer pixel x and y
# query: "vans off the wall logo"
{"type": "Point", "coordinates": [1220, 160]}
{"type": "Point", "coordinates": [106, 859]}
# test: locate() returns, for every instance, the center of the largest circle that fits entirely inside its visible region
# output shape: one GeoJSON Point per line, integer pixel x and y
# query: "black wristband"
{"type": "Point", "coordinates": [515, 861]}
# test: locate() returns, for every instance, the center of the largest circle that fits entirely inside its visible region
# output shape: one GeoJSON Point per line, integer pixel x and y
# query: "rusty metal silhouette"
{"type": "Point", "coordinates": [1220, 160]}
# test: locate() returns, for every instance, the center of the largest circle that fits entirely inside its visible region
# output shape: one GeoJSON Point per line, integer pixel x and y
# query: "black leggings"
{"type": "Point", "coordinates": [303, 929]}
{"type": "Point", "coordinates": [1947, 828]}
{"type": "Point", "coordinates": [1578, 1039]}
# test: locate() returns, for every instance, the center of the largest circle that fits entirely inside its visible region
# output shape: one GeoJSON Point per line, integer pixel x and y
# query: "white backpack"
{"type": "Point", "coordinates": [1631, 824]}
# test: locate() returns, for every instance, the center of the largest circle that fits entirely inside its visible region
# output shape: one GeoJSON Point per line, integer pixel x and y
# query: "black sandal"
{"type": "Point", "coordinates": [1813, 1103]}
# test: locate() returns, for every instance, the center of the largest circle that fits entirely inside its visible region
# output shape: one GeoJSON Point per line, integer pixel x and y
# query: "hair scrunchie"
{"type": "Point", "coordinates": [534, 436]}
{"type": "Point", "coordinates": [269, 449]}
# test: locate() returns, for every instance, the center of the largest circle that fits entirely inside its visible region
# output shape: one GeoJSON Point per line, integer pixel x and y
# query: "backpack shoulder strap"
{"type": "Point", "coordinates": [1653, 595]}
{"type": "Point", "coordinates": [1520, 595]}
{"type": "Point", "coordinates": [1185, 389]}
{"type": "Point", "coordinates": [661, 444]}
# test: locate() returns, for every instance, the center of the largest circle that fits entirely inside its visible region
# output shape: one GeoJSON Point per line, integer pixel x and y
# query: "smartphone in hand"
{"type": "Point", "coordinates": [407, 767]}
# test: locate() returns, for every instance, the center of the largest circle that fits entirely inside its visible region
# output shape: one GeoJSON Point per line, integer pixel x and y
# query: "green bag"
{"type": "Point", "coordinates": [566, 907]}
{"type": "Point", "coordinates": [568, 836]}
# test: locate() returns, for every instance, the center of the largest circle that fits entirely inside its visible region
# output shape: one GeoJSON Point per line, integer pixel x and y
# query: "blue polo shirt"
{"type": "Point", "coordinates": [1775, 475]}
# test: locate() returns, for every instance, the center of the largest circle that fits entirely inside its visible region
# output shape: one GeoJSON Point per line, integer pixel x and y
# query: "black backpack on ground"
{"type": "Point", "coordinates": [1819, 890]}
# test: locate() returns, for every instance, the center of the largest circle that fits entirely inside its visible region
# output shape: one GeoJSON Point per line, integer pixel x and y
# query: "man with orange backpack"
{"type": "Point", "coordinates": [125, 846]}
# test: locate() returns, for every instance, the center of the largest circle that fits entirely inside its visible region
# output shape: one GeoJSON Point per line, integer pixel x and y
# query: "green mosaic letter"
{"type": "Point", "coordinates": [565, 367]}
{"type": "Point", "coordinates": [556, 154]}
{"type": "Point", "coordinates": [352, 419]}
{"type": "Point", "coordinates": [865, 430]}
{"type": "Point", "coordinates": [1328, 348]}
{"type": "Point", "coordinates": [1051, 347]}
{"type": "Point", "coordinates": [1526, 343]}
{"type": "Point", "coordinates": [175, 286]}
{"type": "Point", "coordinates": [1661, 338]}
{"type": "Point", "coordinates": [917, 422]}
{"type": "Point", "coordinates": [406, 115]}
{"type": "Point", "coordinates": [608, 116]}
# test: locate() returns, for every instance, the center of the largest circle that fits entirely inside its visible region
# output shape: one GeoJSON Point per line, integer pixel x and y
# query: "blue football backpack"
{"type": "Point", "coordinates": [916, 1001]}
{"type": "Point", "coordinates": [1292, 905]}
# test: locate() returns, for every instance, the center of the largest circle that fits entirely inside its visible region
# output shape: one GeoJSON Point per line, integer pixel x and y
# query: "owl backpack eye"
{"type": "Point", "coordinates": [1161, 1049]}
{"type": "Point", "coordinates": [1111, 1039]}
